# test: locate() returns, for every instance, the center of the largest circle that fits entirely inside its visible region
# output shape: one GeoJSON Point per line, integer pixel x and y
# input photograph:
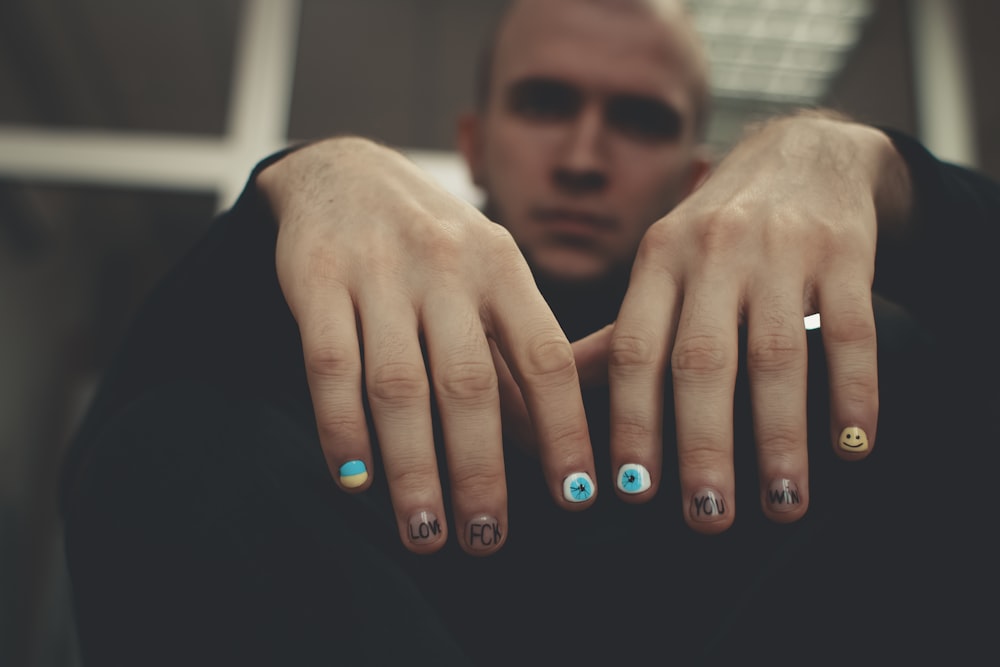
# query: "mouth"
{"type": "Point", "coordinates": [850, 446]}
{"type": "Point", "coordinates": [574, 221]}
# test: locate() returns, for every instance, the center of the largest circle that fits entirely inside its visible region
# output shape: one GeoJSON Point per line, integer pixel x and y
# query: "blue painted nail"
{"type": "Point", "coordinates": [578, 487]}
{"type": "Point", "coordinates": [633, 478]}
{"type": "Point", "coordinates": [353, 474]}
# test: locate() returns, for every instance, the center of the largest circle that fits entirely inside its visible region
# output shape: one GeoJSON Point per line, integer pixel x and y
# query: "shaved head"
{"type": "Point", "coordinates": [686, 43]}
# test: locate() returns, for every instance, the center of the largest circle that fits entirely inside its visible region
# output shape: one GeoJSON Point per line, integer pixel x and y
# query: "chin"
{"type": "Point", "coordinates": [571, 271]}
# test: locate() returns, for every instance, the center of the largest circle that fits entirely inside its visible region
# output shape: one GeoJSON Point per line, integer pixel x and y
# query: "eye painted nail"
{"type": "Point", "coordinates": [578, 487]}
{"type": "Point", "coordinates": [633, 478]}
{"type": "Point", "coordinates": [853, 439]}
{"type": "Point", "coordinates": [708, 505]}
{"type": "Point", "coordinates": [482, 532]}
{"type": "Point", "coordinates": [783, 495]}
{"type": "Point", "coordinates": [424, 528]}
{"type": "Point", "coordinates": [353, 474]}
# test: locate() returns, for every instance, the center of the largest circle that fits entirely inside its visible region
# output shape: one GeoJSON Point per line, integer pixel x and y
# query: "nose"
{"type": "Point", "coordinates": [582, 164]}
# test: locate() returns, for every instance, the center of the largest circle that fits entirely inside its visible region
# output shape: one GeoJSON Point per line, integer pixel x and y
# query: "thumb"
{"type": "Point", "coordinates": [591, 353]}
{"type": "Point", "coordinates": [513, 410]}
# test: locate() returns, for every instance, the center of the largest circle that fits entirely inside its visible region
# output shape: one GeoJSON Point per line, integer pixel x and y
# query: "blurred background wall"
{"type": "Point", "coordinates": [126, 124]}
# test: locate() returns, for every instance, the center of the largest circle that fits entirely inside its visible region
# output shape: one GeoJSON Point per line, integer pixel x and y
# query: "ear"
{"type": "Point", "coordinates": [701, 167]}
{"type": "Point", "coordinates": [470, 144]}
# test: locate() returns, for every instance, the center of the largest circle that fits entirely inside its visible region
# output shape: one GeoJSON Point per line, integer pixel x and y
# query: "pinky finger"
{"type": "Point", "coordinates": [848, 329]}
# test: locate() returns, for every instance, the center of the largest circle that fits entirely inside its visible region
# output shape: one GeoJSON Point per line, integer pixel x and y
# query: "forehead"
{"type": "Point", "coordinates": [603, 47]}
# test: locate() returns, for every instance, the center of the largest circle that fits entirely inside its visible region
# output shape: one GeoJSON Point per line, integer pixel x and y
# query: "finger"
{"type": "Point", "coordinates": [847, 323]}
{"type": "Point", "coordinates": [516, 422]}
{"type": "Point", "coordinates": [466, 393]}
{"type": "Point", "coordinates": [703, 362]}
{"type": "Point", "coordinates": [637, 361]}
{"type": "Point", "coordinates": [541, 360]}
{"type": "Point", "coordinates": [591, 355]}
{"type": "Point", "coordinates": [777, 365]}
{"type": "Point", "coordinates": [399, 396]}
{"type": "Point", "coordinates": [333, 372]}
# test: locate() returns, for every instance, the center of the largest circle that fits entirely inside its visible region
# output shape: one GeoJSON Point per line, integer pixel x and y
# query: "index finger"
{"type": "Point", "coordinates": [541, 359]}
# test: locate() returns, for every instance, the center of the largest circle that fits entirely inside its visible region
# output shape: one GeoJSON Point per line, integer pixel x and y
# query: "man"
{"type": "Point", "coordinates": [437, 377]}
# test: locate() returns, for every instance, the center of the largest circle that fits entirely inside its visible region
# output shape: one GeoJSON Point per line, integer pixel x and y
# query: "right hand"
{"type": "Point", "coordinates": [375, 261]}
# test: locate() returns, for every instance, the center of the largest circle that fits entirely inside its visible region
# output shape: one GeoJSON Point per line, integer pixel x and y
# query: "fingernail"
{"type": "Point", "coordinates": [353, 474]}
{"type": "Point", "coordinates": [783, 495]}
{"type": "Point", "coordinates": [633, 478]}
{"type": "Point", "coordinates": [578, 487]}
{"type": "Point", "coordinates": [707, 505]}
{"type": "Point", "coordinates": [853, 439]}
{"type": "Point", "coordinates": [424, 528]}
{"type": "Point", "coordinates": [482, 532]}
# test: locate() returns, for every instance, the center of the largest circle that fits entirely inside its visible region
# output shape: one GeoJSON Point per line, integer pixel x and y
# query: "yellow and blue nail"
{"type": "Point", "coordinates": [353, 474]}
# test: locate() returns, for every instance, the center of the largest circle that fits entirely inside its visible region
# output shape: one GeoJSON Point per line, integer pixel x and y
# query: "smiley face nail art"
{"type": "Point", "coordinates": [853, 439]}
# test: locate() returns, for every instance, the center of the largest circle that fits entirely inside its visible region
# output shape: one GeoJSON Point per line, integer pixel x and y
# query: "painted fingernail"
{"type": "Point", "coordinates": [853, 439]}
{"type": "Point", "coordinates": [424, 528]}
{"type": "Point", "coordinates": [633, 478]}
{"type": "Point", "coordinates": [708, 505]}
{"type": "Point", "coordinates": [783, 495]}
{"type": "Point", "coordinates": [353, 474]}
{"type": "Point", "coordinates": [578, 487]}
{"type": "Point", "coordinates": [482, 532]}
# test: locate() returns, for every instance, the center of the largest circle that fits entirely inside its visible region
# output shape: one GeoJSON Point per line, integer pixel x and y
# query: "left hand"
{"type": "Point", "coordinates": [785, 227]}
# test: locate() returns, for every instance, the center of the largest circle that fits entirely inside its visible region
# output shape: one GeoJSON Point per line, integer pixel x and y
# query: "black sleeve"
{"type": "Point", "coordinates": [946, 273]}
{"type": "Point", "coordinates": [218, 318]}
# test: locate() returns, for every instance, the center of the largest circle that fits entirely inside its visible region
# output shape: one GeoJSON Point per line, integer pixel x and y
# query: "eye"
{"type": "Point", "coordinates": [544, 100]}
{"type": "Point", "coordinates": [644, 119]}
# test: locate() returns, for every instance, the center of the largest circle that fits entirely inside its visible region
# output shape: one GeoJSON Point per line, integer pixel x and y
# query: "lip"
{"type": "Point", "coordinates": [574, 221]}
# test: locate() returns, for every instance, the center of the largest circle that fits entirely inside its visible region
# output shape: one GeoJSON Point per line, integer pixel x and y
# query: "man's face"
{"type": "Point", "coordinates": [588, 136]}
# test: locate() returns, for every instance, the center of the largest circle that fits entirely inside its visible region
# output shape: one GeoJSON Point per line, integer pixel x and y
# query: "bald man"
{"type": "Point", "coordinates": [585, 381]}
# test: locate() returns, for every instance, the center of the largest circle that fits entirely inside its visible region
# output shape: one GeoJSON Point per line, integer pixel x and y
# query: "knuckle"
{"type": "Point", "coordinates": [480, 477]}
{"type": "Point", "coordinates": [775, 352]}
{"type": "Point", "coordinates": [781, 441]}
{"type": "Point", "coordinates": [443, 248]}
{"type": "Point", "coordinates": [504, 259]}
{"type": "Point", "coordinates": [705, 457]}
{"type": "Point", "coordinates": [550, 355]}
{"type": "Point", "coordinates": [568, 433]}
{"type": "Point", "coordinates": [852, 327]}
{"type": "Point", "coordinates": [332, 363]}
{"type": "Point", "coordinates": [398, 382]}
{"type": "Point", "coordinates": [721, 231]}
{"type": "Point", "coordinates": [859, 387]}
{"type": "Point", "coordinates": [466, 380]}
{"type": "Point", "coordinates": [438, 250]}
{"type": "Point", "coordinates": [633, 428]}
{"type": "Point", "coordinates": [412, 475]}
{"type": "Point", "coordinates": [631, 351]}
{"type": "Point", "coordinates": [699, 355]}
{"type": "Point", "coordinates": [341, 427]}
{"type": "Point", "coordinates": [499, 239]}
{"type": "Point", "coordinates": [659, 238]}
